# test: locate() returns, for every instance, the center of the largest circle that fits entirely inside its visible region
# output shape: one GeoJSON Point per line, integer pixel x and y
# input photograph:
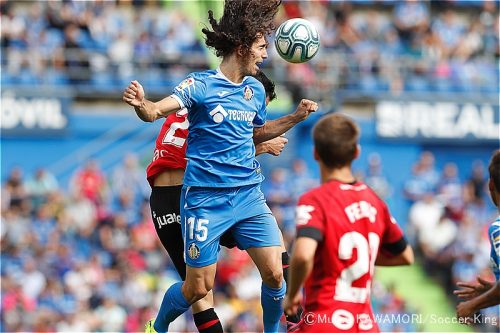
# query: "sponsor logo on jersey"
{"type": "Point", "coordinates": [193, 251]}
{"type": "Point", "coordinates": [185, 84]}
{"type": "Point", "coordinates": [218, 114]}
{"type": "Point", "coordinates": [248, 93]}
{"type": "Point", "coordinates": [303, 214]}
{"type": "Point", "coordinates": [166, 219]}
{"type": "Point", "coordinates": [360, 210]}
{"type": "Point", "coordinates": [240, 115]}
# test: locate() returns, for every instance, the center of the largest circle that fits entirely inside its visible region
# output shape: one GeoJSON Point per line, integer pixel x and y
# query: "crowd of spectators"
{"type": "Point", "coordinates": [393, 46]}
{"type": "Point", "coordinates": [85, 257]}
{"type": "Point", "coordinates": [367, 46]}
{"type": "Point", "coordinates": [100, 44]}
{"type": "Point", "coordinates": [448, 222]}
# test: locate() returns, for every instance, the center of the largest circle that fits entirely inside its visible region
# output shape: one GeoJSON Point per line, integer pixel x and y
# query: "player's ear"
{"type": "Point", "coordinates": [358, 151]}
{"type": "Point", "coordinates": [315, 154]}
{"type": "Point", "coordinates": [240, 51]}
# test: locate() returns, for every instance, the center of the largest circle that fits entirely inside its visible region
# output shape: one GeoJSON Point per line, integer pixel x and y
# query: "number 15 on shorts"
{"type": "Point", "coordinates": [197, 228]}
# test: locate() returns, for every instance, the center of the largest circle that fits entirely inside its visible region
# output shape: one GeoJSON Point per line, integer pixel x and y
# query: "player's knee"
{"type": "Point", "coordinates": [273, 278]}
{"type": "Point", "coordinates": [197, 292]}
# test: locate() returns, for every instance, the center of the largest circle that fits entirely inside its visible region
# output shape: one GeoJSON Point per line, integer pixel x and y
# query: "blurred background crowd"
{"type": "Point", "coordinates": [368, 46]}
{"type": "Point", "coordinates": [78, 247]}
{"type": "Point", "coordinates": [87, 258]}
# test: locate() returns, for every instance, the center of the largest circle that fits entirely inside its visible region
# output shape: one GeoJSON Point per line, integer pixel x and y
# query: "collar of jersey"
{"type": "Point", "coordinates": [222, 76]}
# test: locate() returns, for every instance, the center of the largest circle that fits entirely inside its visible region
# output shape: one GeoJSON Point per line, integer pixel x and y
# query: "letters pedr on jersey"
{"type": "Point", "coordinates": [170, 150]}
{"type": "Point", "coordinates": [350, 224]}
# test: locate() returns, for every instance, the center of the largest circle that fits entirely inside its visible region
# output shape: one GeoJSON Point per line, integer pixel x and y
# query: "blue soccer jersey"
{"type": "Point", "coordinates": [222, 115]}
{"type": "Point", "coordinates": [494, 235]}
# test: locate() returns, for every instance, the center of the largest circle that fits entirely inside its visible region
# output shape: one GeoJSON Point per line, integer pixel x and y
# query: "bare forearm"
{"type": "Point", "coordinates": [297, 275]}
{"type": "Point", "coordinates": [260, 149]}
{"type": "Point", "coordinates": [274, 128]}
{"type": "Point", "coordinates": [487, 299]}
{"type": "Point", "coordinates": [147, 111]}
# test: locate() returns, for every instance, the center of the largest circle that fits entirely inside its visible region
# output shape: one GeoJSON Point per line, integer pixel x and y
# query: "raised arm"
{"type": "Point", "coordinates": [274, 128]}
{"type": "Point", "coordinates": [146, 110]}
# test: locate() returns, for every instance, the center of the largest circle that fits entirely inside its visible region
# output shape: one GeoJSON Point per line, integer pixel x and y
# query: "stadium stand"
{"type": "Point", "coordinates": [78, 246]}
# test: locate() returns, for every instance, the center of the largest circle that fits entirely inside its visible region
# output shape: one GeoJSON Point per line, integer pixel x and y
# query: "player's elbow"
{"type": "Point", "coordinates": [407, 256]}
{"type": "Point", "coordinates": [258, 135]}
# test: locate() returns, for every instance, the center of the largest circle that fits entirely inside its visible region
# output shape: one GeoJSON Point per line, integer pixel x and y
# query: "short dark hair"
{"type": "Point", "coordinates": [240, 24]}
{"type": "Point", "coordinates": [494, 169]}
{"type": "Point", "coordinates": [335, 140]}
{"type": "Point", "coordinates": [268, 85]}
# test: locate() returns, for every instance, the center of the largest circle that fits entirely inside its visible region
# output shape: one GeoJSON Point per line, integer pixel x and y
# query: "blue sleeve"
{"type": "Point", "coordinates": [190, 92]}
{"type": "Point", "coordinates": [260, 117]}
{"type": "Point", "coordinates": [494, 233]}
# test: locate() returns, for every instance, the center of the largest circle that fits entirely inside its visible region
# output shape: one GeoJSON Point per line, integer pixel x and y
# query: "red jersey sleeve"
{"type": "Point", "coordinates": [393, 240]}
{"type": "Point", "coordinates": [309, 218]}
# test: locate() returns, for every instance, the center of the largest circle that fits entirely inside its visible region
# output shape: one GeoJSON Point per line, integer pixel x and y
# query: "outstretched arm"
{"type": "Point", "coordinates": [274, 128]}
{"type": "Point", "coordinates": [485, 300]}
{"type": "Point", "coordinates": [470, 290]}
{"type": "Point", "coordinates": [146, 110]}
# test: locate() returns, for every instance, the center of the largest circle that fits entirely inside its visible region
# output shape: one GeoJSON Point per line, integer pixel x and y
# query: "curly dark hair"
{"type": "Point", "coordinates": [240, 24]}
{"type": "Point", "coordinates": [269, 86]}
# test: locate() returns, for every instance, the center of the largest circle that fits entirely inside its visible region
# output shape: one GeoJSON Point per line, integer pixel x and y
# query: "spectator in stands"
{"type": "Point", "coordinates": [411, 19]}
{"type": "Point", "coordinates": [129, 177]}
{"type": "Point", "coordinates": [434, 243]}
{"type": "Point", "coordinates": [15, 189]}
{"type": "Point", "coordinates": [300, 179]}
{"type": "Point", "coordinates": [416, 186]}
{"type": "Point", "coordinates": [428, 169]}
{"type": "Point", "coordinates": [347, 36]}
{"type": "Point", "coordinates": [450, 187]}
{"type": "Point", "coordinates": [91, 182]}
{"type": "Point", "coordinates": [40, 186]}
{"type": "Point", "coordinates": [76, 59]}
{"type": "Point", "coordinates": [424, 215]}
{"type": "Point", "coordinates": [374, 177]}
{"type": "Point", "coordinates": [476, 185]}
{"type": "Point", "coordinates": [449, 31]}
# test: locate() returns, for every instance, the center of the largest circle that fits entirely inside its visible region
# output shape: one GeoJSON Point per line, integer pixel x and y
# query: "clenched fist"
{"type": "Point", "coordinates": [134, 94]}
{"type": "Point", "coordinates": [275, 146]}
{"type": "Point", "coordinates": [305, 108]}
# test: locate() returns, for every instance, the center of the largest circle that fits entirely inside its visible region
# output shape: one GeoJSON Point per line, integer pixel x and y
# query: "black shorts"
{"type": "Point", "coordinates": [165, 210]}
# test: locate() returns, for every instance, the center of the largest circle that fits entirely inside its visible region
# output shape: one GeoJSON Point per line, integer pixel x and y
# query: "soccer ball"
{"type": "Point", "coordinates": [297, 40]}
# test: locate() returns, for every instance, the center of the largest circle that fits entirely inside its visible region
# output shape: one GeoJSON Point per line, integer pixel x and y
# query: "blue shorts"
{"type": "Point", "coordinates": [208, 212]}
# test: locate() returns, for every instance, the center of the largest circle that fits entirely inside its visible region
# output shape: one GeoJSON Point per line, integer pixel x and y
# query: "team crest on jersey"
{"type": "Point", "coordinates": [193, 251]}
{"type": "Point", "coordinates": [248, 93]}
{"type": "Point", "coordinates": [184, 84]}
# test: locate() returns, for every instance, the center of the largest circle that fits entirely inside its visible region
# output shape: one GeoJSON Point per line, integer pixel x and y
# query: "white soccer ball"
{"type": "Point", "coordinates": [297, 40]}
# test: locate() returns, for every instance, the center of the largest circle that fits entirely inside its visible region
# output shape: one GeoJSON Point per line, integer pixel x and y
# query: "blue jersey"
{"type": "Point", "coordinates": [494, 235]}
{"type": "Point", "coordinates": [222, 115]}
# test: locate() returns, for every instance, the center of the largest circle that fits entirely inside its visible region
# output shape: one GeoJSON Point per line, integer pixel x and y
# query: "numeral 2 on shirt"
{"type": "Point", "coordinates": [367, 253]}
